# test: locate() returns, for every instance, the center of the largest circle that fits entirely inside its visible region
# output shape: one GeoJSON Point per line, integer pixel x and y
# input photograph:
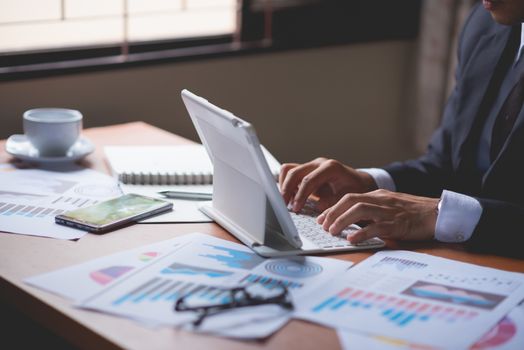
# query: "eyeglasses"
{"type": "Point", "coordinates": [238, 297]}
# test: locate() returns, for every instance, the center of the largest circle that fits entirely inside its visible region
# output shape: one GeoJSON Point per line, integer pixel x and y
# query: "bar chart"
{"type": "Point", "coordinates": [158, 289]}
{"type": "Point", "coordinates": [37, 211]}
{"type": "Point", "coordinates": [399, 263]}
{"type": "Point", "coordinates": [30, 199]}
{"type": "Point", "coordinates": [398, 311]}
{"type": "Point", "coordinates": [269, 282]}
{"type": "Point", "coordinates": [29, 211]}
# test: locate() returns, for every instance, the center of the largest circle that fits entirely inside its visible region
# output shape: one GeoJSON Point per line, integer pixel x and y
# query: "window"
{"type": "Point", "coordinates": [29, 25]}
{"type": "Point", "coordinates": [42, 37]}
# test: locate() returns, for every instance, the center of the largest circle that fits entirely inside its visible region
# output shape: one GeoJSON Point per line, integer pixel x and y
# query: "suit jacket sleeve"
{"type": "Point", "coordinates": [433, 171]}
{"type": "Point", "coordinates": [498, 229]}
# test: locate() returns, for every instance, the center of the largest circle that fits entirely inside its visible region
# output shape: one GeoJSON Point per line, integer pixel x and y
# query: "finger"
{"type": "Point", "coordinates": [345, 203]}
{"type": "Point", "coordinates": [359, 212]}
{"type": "Point", "coordinates": [364, 234]}
{"type": "Point", "coordinates": [293, 178]}
{"type": "Point", "coordinates": [291, 199]}
{"type": "Point", "coordinates": [350, 199]}
{"type": "Point", "coordinates": [290, 176]}
{"type": "Point", "coordinates": [311, 182]}
{"type": "Point", "coordinates": [322, 216]}
{"type": "Point", "coordinates": [284, 169]}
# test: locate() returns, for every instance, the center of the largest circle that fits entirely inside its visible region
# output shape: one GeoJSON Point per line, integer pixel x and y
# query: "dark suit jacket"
{"type": "Point", "coordinates": [449, 162]}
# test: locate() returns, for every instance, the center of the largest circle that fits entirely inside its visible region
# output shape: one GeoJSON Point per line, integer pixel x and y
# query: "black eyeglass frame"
{"type": "Point", "coordinates": [245, 300]}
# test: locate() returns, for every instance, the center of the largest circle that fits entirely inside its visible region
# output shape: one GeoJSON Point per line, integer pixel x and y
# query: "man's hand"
{"type": "Point", "coordinates": [324, 178]}
{"type": "Point", "coordinates": [389, 215]}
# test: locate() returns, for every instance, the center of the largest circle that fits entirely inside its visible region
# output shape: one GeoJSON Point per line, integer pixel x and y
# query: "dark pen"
{"type": "Point", "coordinates": [186, 195]}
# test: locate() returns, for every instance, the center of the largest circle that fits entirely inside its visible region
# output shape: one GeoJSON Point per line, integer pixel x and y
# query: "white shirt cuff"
{"type": "Point", "coordinates": [458, 215]}
{"type": "Point", "coordinates": [382, 178]}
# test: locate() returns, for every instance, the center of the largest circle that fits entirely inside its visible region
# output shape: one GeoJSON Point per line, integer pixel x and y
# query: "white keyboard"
{"type": "Point", "coordinates": [307, 227]}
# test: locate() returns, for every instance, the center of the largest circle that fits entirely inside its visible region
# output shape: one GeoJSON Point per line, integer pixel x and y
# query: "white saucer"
{"type": "Point", "coordinates": [19, 146]}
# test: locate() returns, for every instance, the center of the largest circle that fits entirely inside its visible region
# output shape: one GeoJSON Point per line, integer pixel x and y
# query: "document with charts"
{"type": "Point", "coordinates": [417, 298]}
{"type": "Point", "coordinates": [508, 334]}
{"type": "Point", "coordinates": [31, 198]}
{"type": "Point", "coordinates": [201, 268]}
{"type": "Point", "coordinates": [83, 280]}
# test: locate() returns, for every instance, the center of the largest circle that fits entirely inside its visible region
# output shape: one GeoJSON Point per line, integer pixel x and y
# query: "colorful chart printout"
{"type": "Point", "coordinates": [108, 274]}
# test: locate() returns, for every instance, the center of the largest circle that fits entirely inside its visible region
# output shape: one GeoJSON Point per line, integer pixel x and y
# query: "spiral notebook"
{"type": "Point", "coordinates": [167, 165]}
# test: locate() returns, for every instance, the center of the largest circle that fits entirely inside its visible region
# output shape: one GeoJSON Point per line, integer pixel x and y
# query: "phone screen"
{"type": "Point", "coordinates": [129, 207]}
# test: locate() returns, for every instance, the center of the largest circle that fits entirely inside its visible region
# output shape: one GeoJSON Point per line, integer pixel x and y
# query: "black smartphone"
{"type": "Point", "coordinates": [113, 213]}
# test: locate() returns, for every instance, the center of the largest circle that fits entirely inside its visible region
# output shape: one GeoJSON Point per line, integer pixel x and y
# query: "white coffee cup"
{"type": "Point", "coordinates": [52, 131]}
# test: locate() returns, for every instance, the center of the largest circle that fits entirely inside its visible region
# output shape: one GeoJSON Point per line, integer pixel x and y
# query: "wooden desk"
{"type": "Point", "coordinates": [24, 256]}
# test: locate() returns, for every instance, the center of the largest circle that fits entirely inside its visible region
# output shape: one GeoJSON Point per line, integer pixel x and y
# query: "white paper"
{"type": "Point", "coordinates": [78, 282]}
{"type": "Point", "coordinates": [508, 334]}
{"type": "Point", "coordinates": [183, 210]}
{"type": "Point", "coordinates": [203, 267]}
{"type": "Point", "coordinates": [31, 198]}
{"type": "Point", "coordinates": [416, 298]}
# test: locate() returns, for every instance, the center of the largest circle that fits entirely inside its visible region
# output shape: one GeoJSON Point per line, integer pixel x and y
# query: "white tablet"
{"type": "Point", "coordinates": [246, 199]}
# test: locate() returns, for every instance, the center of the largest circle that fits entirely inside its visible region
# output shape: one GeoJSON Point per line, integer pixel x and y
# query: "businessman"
{"type": "Point", "coordinates": [469, 185]}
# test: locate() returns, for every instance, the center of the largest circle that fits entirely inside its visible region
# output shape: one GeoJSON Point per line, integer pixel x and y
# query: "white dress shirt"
{"type": "Point", "coordinates": [458, 213]}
